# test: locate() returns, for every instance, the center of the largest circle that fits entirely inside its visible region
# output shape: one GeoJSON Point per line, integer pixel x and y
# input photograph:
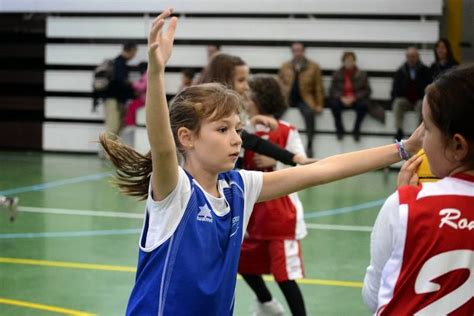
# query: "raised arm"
{"type": "Point", "coordinates": [283, 182]}
{"type": "Point", "coordinates": [163, 150]}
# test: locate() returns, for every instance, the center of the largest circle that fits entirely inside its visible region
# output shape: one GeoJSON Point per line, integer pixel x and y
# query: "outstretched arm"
{"type": "Point", "coordinates": [283, 182]}
{"type": "Point", "coordinates": [163, 150]}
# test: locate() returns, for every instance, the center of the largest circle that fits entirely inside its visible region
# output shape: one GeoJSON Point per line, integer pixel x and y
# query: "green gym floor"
{"type": "Point", "coordinates": [73, 247]}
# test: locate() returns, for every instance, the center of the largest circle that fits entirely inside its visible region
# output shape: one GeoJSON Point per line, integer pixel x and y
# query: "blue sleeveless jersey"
{"type": "Point", "coordinates": [194, 272]}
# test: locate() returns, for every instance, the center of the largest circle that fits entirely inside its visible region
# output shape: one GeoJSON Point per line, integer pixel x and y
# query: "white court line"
{"type": "Point", "coordinates": [349, 228]}
{"type": "Point", "coordinates": [63, 211]}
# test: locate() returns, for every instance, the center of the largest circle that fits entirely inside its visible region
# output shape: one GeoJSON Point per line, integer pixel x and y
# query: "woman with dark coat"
{"type": "Point", "coordinates": [350, 89]}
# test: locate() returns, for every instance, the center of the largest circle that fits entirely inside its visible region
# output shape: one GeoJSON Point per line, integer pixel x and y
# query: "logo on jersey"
{"type": "Point", "coordinates": [235, 225]}
{"type": "Point", "coordinates": [205, 214]}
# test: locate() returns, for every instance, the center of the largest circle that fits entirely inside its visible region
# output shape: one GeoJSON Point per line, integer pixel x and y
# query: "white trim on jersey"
{"type": "Point", "coordinates": [391, 270]}
{"type": "Point", "coordinates": [294, 266]}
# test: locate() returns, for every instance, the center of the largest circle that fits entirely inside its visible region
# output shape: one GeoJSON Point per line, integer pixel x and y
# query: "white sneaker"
{"type": "Point", "coordinates": [268, 308]}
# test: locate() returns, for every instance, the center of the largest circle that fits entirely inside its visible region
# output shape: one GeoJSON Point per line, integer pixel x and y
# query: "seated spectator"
{"type": "Point", "coordinates": [186, 78]}
{"type": "Point", "coordinates": [349, 90]}
{"type": "Point", "coordinates": [139, 87]}
{"type": "Point", "coordinates": [444, 58]}
{"type": "Point", "coordinates": [302, 84]}
{"type": "Point", "coordinates": [408, 88]}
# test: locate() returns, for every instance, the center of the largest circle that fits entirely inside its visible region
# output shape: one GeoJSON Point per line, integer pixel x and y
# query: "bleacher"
{"type": "Point", "coordinates": [82, 34]}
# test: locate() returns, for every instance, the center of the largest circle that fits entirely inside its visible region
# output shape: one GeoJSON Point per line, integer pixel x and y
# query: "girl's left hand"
{"type": "Point", "coordinates": [408, 174]}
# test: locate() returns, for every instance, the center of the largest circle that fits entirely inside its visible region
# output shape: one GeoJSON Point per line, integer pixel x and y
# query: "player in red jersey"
{"type": "Point", "coordinates": [272, 243]}
{"type": "Point", "coordinates": [422, 245]}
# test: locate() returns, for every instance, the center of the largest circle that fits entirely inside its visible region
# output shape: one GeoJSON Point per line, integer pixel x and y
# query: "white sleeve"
{"type": "Point", "coordinates": [165, 215]}
{"type": "Point", "coordinates": [382, 242]}
{"type": "Point", "coordinates": [253, 182]}
{"type": "Point", "coordinates": [294, 144]}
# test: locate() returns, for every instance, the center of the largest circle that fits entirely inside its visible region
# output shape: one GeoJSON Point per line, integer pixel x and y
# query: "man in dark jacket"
{"type": "Point", "coordinates": [120, 90]}
{"type": "Point", "coordinates": [408, 88]}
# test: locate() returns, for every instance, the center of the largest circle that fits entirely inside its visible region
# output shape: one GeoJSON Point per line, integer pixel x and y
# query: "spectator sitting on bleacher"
{"type": "Point", "coordinates": [186, 78]}
{"type": "Point", "coordinates": [349, 90]}
{"type": "Point", "coordinates": [408, 88]}
{"type": "Point", "coordinates": [120, 91]}
{"type": "Point", "coordinates": [444, 58]}
{"type": "Point", "coordinates": [302, 84]}
{"type": "Point", "coordinates": [212, 50]}
{"type": "Point", "coordinates": [139, 86]}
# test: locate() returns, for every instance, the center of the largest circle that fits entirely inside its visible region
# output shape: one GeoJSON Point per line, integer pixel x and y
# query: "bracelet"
{"type": "Point", "coordinates": [404, 154]}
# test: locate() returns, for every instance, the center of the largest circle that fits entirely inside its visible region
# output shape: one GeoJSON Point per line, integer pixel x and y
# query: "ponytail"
{"type": "Point", "coordinates": [133, 169]}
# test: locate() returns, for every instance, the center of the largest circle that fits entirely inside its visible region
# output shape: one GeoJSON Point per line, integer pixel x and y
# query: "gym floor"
{"type": "Point", "coordinates": [72, 249]}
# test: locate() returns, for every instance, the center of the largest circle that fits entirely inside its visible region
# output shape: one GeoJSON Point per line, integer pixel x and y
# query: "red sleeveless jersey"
{"type": "Point", "coordinates": [433, 272]}
{"type": "Point", "coordinates": [274, 219]}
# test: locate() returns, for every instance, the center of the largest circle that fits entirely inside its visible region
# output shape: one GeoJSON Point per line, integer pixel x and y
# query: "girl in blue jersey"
{"type": "Point", "coordinates": [197, 211]}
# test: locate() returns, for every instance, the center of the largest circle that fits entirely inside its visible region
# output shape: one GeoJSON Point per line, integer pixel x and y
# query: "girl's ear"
{"type": "Point", "coordinates": [460, 147]}
{"type": "Point", "coordinates": [186, 137]}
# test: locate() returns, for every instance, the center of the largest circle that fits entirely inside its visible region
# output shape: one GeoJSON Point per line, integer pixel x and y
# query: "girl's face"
{"type": "Point", "coordinates": [217, 146]}
{"type": "Point", "coordinates": [441, 51]}
{"type": "Point", "coordinates": [251, 108]}
{"type": "Point", "coordinates": [241, 77]}
{"type": "Point", "coordinates": [439, 155]}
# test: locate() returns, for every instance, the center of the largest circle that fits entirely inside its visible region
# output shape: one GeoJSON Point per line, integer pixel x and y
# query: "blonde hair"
{"type": "Point", "coordinates": [188, 109]}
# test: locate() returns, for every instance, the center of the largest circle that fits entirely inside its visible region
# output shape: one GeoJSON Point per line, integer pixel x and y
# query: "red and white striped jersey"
{"type": "Point", "coordinates": [430, 270]}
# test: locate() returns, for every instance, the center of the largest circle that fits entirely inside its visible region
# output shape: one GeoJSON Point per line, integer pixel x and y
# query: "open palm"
{"type": "Point", "coordinates": [160, 43]}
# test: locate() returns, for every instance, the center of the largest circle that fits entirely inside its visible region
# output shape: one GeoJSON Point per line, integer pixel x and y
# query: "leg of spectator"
{"type": "Point", "coordinates": [309, 119]}
{"type": "Point", "coordinates": [361, 107]}
{"type": "Point", "coordinates": [418, 110]}
{"type": "Point", "coordinates": [113, 118]}
{"type": "Point", "coordinates": [132, 108]}
{"type": "Point", "coordinates": [336, 109]}
{"type": "Point", "coordinates": [400, 106]}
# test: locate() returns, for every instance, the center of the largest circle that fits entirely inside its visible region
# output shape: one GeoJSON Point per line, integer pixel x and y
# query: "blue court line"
{"type": "Point", "coordinates": [57, 183]}
{"type": "Point", "coordinates": [72, 234]}
{"type": "Point", "coordinates": [343, 210]}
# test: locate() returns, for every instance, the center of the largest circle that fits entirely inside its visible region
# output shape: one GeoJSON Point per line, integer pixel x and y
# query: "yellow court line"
{"type": "Point", "coordinates": [88, 266]}
{"type": "Point", "coordinates": [71, 265]}
{"type": "Point", "coordinates": [48, 308]}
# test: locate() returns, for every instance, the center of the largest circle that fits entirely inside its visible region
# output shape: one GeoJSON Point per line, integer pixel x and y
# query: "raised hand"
{"type": "Point", "coordinates": [160, 43]}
